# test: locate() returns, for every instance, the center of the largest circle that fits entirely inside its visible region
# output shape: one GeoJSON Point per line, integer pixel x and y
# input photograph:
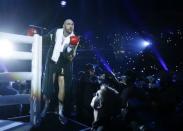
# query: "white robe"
{"type": "Point", "coordinates": [60, 45]}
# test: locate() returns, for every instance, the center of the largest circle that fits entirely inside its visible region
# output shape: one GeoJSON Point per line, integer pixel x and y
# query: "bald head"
{"type": "Point", "coordinates": [68, 26]}
{"type": "Point", "coordinates": [68, 21]}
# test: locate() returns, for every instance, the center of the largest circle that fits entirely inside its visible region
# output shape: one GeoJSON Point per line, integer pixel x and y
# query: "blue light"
{"type": "Point", "coordinates": [63, 3]}
{"type": "Point", "coordinates": [103, 61]}
{"type": "Point", "coordinates": [146, 43]}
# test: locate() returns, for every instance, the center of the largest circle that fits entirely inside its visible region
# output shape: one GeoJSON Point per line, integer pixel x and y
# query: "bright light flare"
{"type": "Point", "coordinates": [146, 43]}
{"type": "Point", "coordinates": [6, 48]}
{"type": "Point", "coordinates": [63, 3]}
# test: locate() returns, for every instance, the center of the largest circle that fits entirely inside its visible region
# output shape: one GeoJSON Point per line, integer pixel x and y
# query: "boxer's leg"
{"type": "Point", "coordinates": [61, 92]}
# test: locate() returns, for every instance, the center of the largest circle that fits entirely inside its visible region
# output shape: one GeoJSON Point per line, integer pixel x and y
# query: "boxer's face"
{"type": "Point", "coordinates": [68, 26]}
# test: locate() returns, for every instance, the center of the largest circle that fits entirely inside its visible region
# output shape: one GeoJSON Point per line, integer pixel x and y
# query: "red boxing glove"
{"type": "Point", "coordinates": [74, 40]}
{"type": "Point", "coordinates": [31, 31]}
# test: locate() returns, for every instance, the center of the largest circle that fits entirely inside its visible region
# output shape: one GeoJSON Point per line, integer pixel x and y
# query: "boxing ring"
{"type": "Point", "coordinates": [34, 99]}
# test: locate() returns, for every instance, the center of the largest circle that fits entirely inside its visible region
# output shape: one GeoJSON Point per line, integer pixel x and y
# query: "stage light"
{"type": "Point", "coordinates": [145, 43]}
{"type": "Point", "coordinates": [63, 3]}
{"type": "Point", "coordinates": [6, 48]}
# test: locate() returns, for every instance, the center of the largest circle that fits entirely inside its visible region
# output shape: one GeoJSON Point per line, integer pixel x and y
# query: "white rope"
{"type": "Point", "coordinates": [14, 99]}
{"type": "Point", "coordinates": [20, 39]}
{"type": "Point", "coordinates": [20, 55]}
{"type": "Point", "coordinates": [11, 76]}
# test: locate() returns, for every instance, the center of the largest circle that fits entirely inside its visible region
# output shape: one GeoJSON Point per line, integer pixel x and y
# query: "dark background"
{"type": "Point", "coordinates": [98, 15]}
{"type": "Point", "coordinates": [98, 19]}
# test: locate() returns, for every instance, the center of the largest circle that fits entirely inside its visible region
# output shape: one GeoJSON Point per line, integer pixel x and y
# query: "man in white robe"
{"type": "Point", "coordinates": [59, 63]}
